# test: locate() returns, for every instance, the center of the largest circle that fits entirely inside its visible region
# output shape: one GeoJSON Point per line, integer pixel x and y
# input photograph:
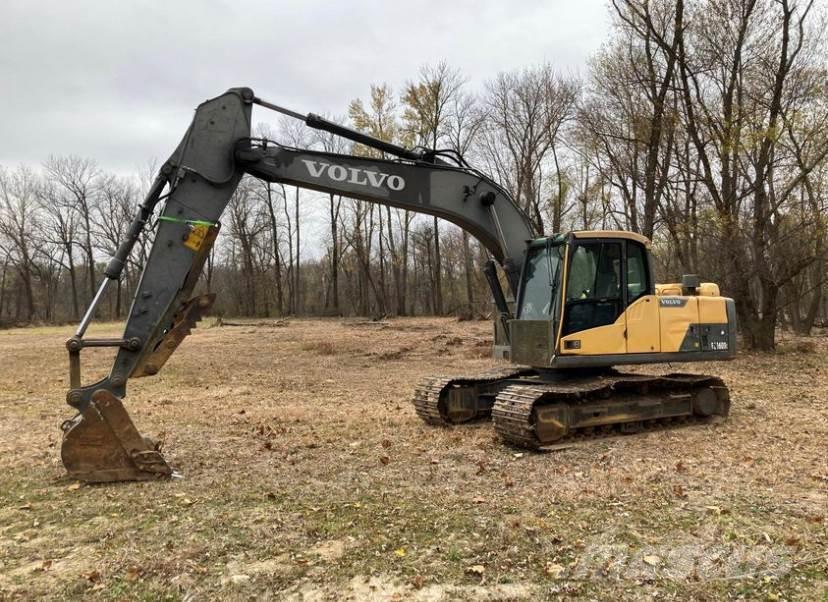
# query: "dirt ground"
{"type": "Point", "coordinates": [308, 476]}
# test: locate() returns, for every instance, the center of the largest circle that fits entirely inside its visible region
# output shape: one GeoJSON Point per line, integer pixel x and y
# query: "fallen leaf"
{"type": "Point", "coordinates": [652, 560]}
{"type": "Point", "coordinates": [793, 541]}
{"type": "Point", "coordinates": [134, 572]}
{"type": "Point", "coordinates": [417, 581]}
{"type": "Point", "coordinates": [25, 506]}
{"type": "Point", "coordinates": [554, 570]}
{"type": "Point", "coordinates": [74, 486]}
{"type": "Point", "coordinates": [92, 576]}
{"type": "Point", "coordinates": [385, 460]}
{"type": "Point", "coordinates": [400, 552]}
{"type": "Point", "coordinates": [476, 569]}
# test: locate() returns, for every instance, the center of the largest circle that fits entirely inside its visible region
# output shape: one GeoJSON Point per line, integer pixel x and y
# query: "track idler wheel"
{"type": "Point", "coordinates": [101, 444]}
{"type": "Point", "coordinates": [711, 401]}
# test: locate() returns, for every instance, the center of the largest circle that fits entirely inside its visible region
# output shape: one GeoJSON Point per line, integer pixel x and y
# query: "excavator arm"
{"type": "Point", "coordinates": [101, 443]}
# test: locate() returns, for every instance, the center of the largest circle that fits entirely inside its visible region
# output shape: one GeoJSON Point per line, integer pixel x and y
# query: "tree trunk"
{"type": "Point", "coordinates": [437, 271]}
{"type": "Point", "coordinates": [73, 282]}
{"type": "Point", "coordinates": [3, 287]}
{"type": "Point", "coordinates": [467, 264]}
{"type": "Point", "coordinates": [297, 287]}
{"type": "Point", "coordinates": [335, 254]}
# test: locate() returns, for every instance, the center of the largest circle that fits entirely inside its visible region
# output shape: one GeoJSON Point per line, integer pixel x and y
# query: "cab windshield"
{"type": "Point", "coordinates": [540, 282]}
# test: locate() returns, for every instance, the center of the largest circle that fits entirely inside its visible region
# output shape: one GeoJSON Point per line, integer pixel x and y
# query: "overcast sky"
{"type": "Point", "coordinates": [117, 81]}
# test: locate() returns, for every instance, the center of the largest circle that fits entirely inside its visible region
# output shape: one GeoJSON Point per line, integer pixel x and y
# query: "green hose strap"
{"type": "Point", "coordinates": [192, 222]}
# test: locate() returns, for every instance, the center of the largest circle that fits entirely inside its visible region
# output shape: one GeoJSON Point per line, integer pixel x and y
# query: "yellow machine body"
{"type": "Point", "coordinates": [620, 316]}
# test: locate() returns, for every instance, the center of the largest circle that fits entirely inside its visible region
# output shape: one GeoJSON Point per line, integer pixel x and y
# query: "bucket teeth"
{"type": "Point", "coordinates": [102, 444]}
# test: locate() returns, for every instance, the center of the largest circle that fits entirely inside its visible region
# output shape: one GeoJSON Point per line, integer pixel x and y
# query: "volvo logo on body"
{"type": "Point", "coordinates": [354, 175]}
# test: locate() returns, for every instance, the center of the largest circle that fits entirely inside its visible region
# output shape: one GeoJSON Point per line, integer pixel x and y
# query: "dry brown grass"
{"type": "Point", "coordinates": [307, 475]}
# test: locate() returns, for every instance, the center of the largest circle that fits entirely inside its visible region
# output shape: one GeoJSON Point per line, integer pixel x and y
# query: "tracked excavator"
{"type": "Point", "coordinates": [576, 305]}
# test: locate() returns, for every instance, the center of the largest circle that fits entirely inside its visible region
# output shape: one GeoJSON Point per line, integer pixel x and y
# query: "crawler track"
{"type": "Point", "coordinates": [538, 415]}
{"type": "Point", "coordinates": [473, 395]}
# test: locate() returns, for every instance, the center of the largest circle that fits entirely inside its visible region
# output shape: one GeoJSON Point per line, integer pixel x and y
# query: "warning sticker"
{"type": "Point", "coordinates": [196, 236]}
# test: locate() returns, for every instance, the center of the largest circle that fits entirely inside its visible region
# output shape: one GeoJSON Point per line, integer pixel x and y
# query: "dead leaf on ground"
{"type": "Point", "coordinates": [476, 569]}
{"type": "Point", "coordinates": [554, 570]}
{"type": "Point", "coordinates": [134, 572]}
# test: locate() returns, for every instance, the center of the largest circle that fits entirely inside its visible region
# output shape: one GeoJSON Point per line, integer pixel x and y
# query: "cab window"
{"type": "Point", "coordinates": [593, 290]}
{"type": "Point", "coordinates": [595, 272]}
{"type": "Point", "coordinates": [637, 275]}
{"type": "Point", "coordinates": [540, 275]}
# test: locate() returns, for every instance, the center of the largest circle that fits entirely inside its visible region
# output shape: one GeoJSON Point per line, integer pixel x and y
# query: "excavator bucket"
{"type": "Point", "coordinates": [102, 444]}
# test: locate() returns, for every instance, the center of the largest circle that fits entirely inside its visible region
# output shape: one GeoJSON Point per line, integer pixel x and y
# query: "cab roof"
{"type": "Point", "coordinates": [582, 234]}
{"type": "Point", "coordinates": [612, 234]}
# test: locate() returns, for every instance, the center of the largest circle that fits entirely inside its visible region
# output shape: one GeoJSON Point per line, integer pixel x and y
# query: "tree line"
{"type": "Point", "coordinates": [702, 124]}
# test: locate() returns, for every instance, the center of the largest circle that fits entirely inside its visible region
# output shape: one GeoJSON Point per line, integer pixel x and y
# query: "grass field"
{"type": "Point", "coordinates": [308, 476]}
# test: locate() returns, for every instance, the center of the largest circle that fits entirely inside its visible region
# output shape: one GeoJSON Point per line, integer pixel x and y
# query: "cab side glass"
{"type": "Point", "coordinates": [637, 273]}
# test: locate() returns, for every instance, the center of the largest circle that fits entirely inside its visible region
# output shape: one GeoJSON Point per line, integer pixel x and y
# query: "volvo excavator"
{"type": "Point", "coordinates": [575, 305]}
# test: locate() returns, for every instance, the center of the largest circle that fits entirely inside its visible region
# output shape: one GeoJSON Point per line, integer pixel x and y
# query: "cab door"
{"type": "Point", "coordinates": [593, 319]}
{"type": "Point", "coordinates": [643, 328]}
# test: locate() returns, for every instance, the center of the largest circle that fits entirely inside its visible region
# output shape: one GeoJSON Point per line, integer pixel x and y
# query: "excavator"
{"type": "Point", "coordinates": [574, 305]}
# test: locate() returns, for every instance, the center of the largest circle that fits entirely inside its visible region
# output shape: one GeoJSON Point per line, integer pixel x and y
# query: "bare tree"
{"type": "Point", "coordinates": [379, 119]}
{"type": "Point", "coordinates": [78, 177]}
{"type": "Point", "coordinates": [525, 114]}
{"type": "Point", "coordinates": [428, 107]}
{"type": "Point", "coordinates": [18, 225]}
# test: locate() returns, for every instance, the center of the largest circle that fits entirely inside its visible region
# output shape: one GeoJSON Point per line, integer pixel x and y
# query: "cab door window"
{"type": "Point", "coordinates": [593, 291]}
{"type": "Point", "coordinates": [638, 277]}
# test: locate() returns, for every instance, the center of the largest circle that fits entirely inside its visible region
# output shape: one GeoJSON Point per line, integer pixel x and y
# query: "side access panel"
{"type": "Point", "coordinates": [644, 326]}
{"type": "Point", "coordinates": [679, 319]}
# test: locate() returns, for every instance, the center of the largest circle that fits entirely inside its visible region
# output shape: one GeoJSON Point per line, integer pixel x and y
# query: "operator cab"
{"type": "Point", "coordinates": [589, 299]}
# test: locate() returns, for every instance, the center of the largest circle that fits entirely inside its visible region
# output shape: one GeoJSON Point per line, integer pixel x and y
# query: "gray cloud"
{"type": "Point", "coordinates": [117, 81]}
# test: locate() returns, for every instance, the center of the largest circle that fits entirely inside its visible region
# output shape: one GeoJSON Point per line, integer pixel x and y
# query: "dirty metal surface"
{"type": "Point", "coordinates": [431, 397]}
{"type": "Point", "coordinates": [538, 415]}
{"type": "Point", "coordinates": [183, 323]}
{"type": "Point", "coordinates": [101, 444]}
